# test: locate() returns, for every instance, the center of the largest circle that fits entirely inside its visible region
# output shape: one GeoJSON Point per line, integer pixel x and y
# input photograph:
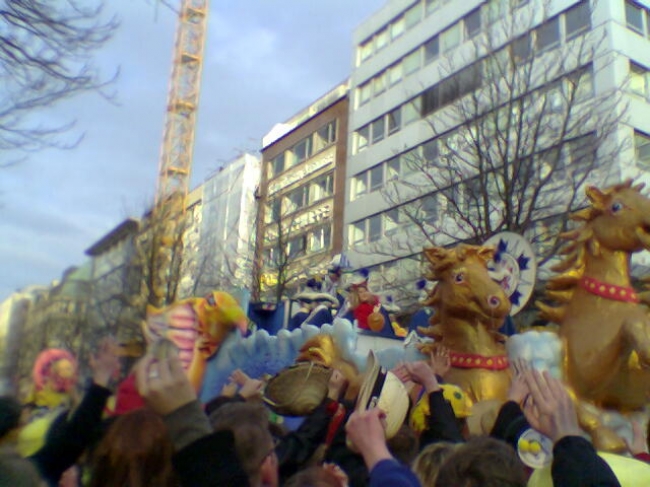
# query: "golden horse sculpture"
{"type": "Point", "coordinates": [470, 308]}
{"type": "Point", "coordinates": [197, 326]}
{"type": "Point", "coordinates": [605, 329]}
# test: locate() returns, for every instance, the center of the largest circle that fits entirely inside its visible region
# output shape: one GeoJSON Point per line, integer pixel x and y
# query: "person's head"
{"type": "Point", "coordinates": [16, 471]}
{"type": "Point", "coordinates": [482, 462]}
{"type": "Point", "coordinates": [404, 445]}
{"type": "Point", "coordinates": [334, 273]}
{"type": "Point", "coordinates": [255, 446]}
{"type": "Point", "coordinates": [136, 451]}
{"type": "Point", "coordinates": [10, 416]}
{"type": "Point", "coordinates": [428, 462]}
{"type": "Point", "coordinates": [313, 477]}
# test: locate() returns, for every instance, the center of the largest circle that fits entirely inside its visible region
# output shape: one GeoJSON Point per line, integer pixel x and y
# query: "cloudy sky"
{"type": "Point", "coordinates": [265, 61]}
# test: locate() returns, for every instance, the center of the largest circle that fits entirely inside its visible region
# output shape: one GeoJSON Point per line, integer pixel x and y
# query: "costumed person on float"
{"type": "Point", "coordinates": [391, 307]}
{"type": "Point", "coordinates": [421, 317]}
{"type": "Point", "coordinates": [316, 305]}
{"type": "Point", "coordinates": [365, 308]}
{"type": "Point", "coordinates": [333, 284]}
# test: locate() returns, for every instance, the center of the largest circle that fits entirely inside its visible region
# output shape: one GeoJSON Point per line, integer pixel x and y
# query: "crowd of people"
{"type": "Point", "coordinates": [171, 439]}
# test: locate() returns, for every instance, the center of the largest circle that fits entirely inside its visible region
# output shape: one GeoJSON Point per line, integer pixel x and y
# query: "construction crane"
{"type": "Point", "coordinates": [173, 183]}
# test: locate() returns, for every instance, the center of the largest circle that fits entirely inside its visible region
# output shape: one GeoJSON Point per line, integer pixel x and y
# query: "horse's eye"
{"type": "Point", "coordinates": [616, 207]}
{"type": "Point", "coordinates": [460, 277]}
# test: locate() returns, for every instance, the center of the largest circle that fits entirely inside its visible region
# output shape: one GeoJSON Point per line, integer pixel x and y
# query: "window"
{"type": "Point", "coordinates": [577, 19]}
{"type": "Point", "coordinates": [296, 199]}
{"type": "Point", "coordinates": [430, 100]}
{"type": "Point", "coordinates": [277, 165]}
{"type": "Point", "coordinates": [363, 135]}
{"type": "Point", "coordinates": [394, 120]}
{"type": "Point", "coordinates": [320, 188]}
{"type": "Point", "coordinates": [639, 80]}
{"type": "Point", "coordinates": [548, 35]}
{"type": "Point", "coordinates": [410, 161]}
{"type": "Point", "coordinates": [374, 228]}
{"type": "Point", "coordinates": [273, 211]}
{"type": "Point", "coordinates": [376, 177]}
{"type": "Point", "coordinates": [496, 9]}
{"type": "Point", "coordinates": [365, 92]}
{"type": "Point", "coordinates": [468, 79]}
{"type": "Point", "coordinates": [411, 62]}
{"type": "Point", "coordinates": [378, 129]}
{"type": "Point", "coordinates": [432, 5]}
{"type": "Point", "coordinates": [431, 50]}
{"type": "Point", "coordinates": [302, 150]}
{"type": "Point", "coordinates": [359, 185]}
{"type": "Point", "coordinates": [392, 169]}
{"type": "Point", "coordinates": [642, 148]}
{"type": "Point", "coordinates": [320, 239]}
{"type": "Point", "coordinates": [473, 24]}
{"type": "Point", "coordinates": [449, 90]}
{"type": "Point", "coordinates": [325, 136]}
{"type": "Point", "coordinates": [381, 39]}
{"type": "Point", "coordinates": [296, 246]}
{"type": "Point", "coordinates": [357, 232]}
{"type": "Point", "coordinates": [430, 152]}
{"type": "Point", "coordinates": [397, 28]}
{"type": "Point", "coordinates": [413, 15]}
{"type": "Point", "coordinates": [521, 48]}
{"type": "Point", "coordinates": [634, 17]}
{"type": "Point", "coordinates": [581, 154]}
{"type": "Point", "coordinates": [553, 98]}
{"type": "Point", "coordinates": [379, 83]}
{"type": "Point", "coordinates": [450, 38]}
{"type": "Point", "coordinates": [395, 73]}
{"type": "Point", "coordinates": [391, 221]}
{"type": "Point", "coordinates": [583, 84]}
{"type": "Point", "coordinates": [411, 110]}
{"type": "Point", "coordinates": [365, 51]}
{"type": "Point", "coordinates": [429, 209]}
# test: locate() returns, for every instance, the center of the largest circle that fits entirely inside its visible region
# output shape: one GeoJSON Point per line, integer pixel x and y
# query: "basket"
{"type": "Point", "coordinates": [297, 390]}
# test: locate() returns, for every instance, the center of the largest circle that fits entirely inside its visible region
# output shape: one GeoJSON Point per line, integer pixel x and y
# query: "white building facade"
{"type": "Point", "coordinates": [227, 229]}
{"type": "Point", "coordinates": [417, 67]}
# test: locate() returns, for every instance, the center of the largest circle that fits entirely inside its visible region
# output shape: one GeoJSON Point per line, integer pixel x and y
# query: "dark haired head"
{"type": "Point", "coordinates": [10, 411]}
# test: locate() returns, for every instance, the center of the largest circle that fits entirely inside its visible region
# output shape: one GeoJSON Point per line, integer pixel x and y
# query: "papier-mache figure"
{"type": "Point", "coordinates": [315, 305]}
{"type": "Point", "coordinates": [333, 284]}
{"type": "Point", "coordinates": [365, 308]}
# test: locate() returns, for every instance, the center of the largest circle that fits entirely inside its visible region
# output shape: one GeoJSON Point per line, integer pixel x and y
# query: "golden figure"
{"type": "Point", "coordinates": [469, 309]}
{"type": "Point", "coordinates": [605, 330]}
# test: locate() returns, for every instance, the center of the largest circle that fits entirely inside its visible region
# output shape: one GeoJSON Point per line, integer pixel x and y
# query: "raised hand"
{"type": "Point", "coordinates": [365, 433]}
{"type": "Point", "coordinates": [549, 408]}
{"type": "Point", "coordinates": [229, 389]}
{"type": "Point", "coordinates": [105, 362]}
{"type": "Point", "coordinates": [163, 384]}
{"type": "Point", "coordinates": [440, 361]}
{"type": "Point", "coordinates": [248, 387]}
{"type": "Point", "coordinates": [518, 387]}
{"type": "Point", "coordinates": [421, 373]}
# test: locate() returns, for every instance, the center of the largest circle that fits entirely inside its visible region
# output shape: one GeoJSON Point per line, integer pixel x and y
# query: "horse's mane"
{"type": "Point", "coordinates": [571, 268]}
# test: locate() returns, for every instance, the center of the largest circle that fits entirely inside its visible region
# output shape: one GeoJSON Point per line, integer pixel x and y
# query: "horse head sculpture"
{"type": "Point", "coordinates": [469, 309]}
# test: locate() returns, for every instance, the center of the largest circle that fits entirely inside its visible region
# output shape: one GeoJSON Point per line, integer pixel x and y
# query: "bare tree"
{"type": "Point", "coordinates": [295, 246]}
{"type": "Point", "coordinates": [46, 52]}
{"type": "Point", "coordinates": [516, 133]}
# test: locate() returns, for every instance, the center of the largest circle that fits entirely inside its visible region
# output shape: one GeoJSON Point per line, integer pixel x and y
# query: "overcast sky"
{"type": "Point", "coordinates": [265, 61]}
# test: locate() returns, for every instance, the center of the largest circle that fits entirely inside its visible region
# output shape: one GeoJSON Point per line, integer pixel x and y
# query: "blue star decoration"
{"type": "Point", "coordinates": [515, 297]}
{"type": "Point", "coordinates": [523, 262]}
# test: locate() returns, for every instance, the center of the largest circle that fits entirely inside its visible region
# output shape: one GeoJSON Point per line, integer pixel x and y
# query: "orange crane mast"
{"type": "Point", "coordinates": [175, 166]}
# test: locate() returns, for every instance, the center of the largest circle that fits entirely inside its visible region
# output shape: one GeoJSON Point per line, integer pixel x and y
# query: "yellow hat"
{"type": "Point", "coordinates": [460, 403]}
{"type": "Point", "coordinates": [629, 472]}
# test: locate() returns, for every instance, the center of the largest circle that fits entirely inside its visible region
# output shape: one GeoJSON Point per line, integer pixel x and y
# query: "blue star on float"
{"type": "Point", "coordinates": [502, 247]}
{"type": "Point", "coordinates": [523, 262]}
{"type": "Point", "coordinates": [515, 297]}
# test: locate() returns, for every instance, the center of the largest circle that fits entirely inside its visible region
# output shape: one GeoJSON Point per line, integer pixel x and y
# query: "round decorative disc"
{"type": "Point", "coordinates": [514, 267]}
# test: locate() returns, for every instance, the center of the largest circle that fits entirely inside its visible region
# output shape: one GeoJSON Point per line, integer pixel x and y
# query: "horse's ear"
{"type": "Point", "coordinates": [597, 198]}
{"type": "Point", "coordinates": [439, 259]}
{"type": "Point", "coordinates": [486, 254]}
{"type": "Point", "coordinates": [638, 187]}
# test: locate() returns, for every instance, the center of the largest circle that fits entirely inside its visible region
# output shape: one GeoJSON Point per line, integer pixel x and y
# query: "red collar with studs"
{"type": "Point", "coordinates": [609, 291]}
{"type": "Point", "coordinates": [475, 361]}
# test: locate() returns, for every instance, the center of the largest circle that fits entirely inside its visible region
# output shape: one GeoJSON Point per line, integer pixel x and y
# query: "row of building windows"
{"type": "Point", "coordinates": [470, 24]}
{"type": "Point", "coordinates": [637, 18]}
{"type": "Point", "coordinates": [397, 275]}
{"type": "Point", "coordinates": [571, 160]}
{"type": "Point", "coordinates": [567, 25]}
{"type": "Point", "coordinates": [311, 242]}
{"type": "Point", "coordinates": [440, 44]}
{"type": "Point", "coordinates": [642, 148]}
{"type": "Point", "coordinates": [306, 148]}
{"type": "Point", "coordinates": [299, 198]}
